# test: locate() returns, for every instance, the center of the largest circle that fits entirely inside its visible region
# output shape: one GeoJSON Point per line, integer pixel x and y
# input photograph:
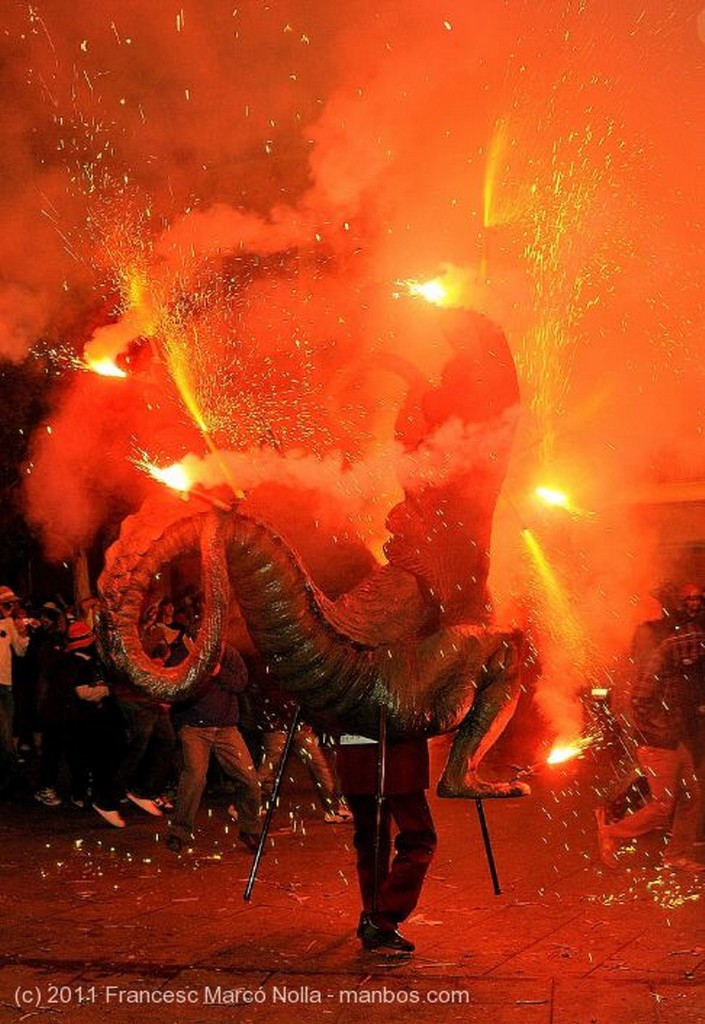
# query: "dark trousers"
{"type": "Point", "coordinates": [149, 757]}
{"type": "Point", "coordinates": [54, 743]}
{"type": "Point", "coordinates": [95, 746]}
{"type": "Point", "coordinates": [7, 749]}
{"type": "Point", "coordinates": [227, 744]}
{"type": "Point", "coordinates": [399, 882]}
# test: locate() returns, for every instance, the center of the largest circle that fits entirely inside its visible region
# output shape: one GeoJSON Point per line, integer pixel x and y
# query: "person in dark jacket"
{"type": "Point", "coordinates": [51, 701]}
{"type": "Point", "coordinates": [404, 803]}
{"type": "Point", "coordinates": [94, 728]}
{"type": "Point", "coordinates": [207, 724]}
{"type": "Point", "coordinates": [686, 659]}
{"type": "Point", "coordinates": [650, 633]}
{"type": "Point", "coordinates": [662, 705]}
{"type": "Point", "coordinates": [14, 641]}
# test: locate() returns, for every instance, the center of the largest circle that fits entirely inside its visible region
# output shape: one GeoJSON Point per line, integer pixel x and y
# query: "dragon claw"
{"type": "Point", "coordinates": [476, 789]}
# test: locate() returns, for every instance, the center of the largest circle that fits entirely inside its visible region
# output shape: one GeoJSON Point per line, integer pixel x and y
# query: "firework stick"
{"type": "Point", "coordinates": [271, 805]}
{"type": "Point", "coordinates": [488, 847]}
{"type": "Point", "coordinates": [379, 799]}
{"type": "Point", "coordinates": [224, 506]}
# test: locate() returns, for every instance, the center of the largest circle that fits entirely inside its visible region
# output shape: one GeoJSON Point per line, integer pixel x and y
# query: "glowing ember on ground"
{"type": "Point", "coordinates": [105, 367]}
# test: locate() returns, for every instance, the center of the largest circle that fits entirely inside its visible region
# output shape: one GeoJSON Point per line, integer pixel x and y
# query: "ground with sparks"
{"type": "Point", "coordinates": [95, 919]}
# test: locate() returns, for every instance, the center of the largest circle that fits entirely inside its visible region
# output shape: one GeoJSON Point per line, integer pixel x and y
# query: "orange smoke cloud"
{"type": "Point", "coordinates": [275, 171]}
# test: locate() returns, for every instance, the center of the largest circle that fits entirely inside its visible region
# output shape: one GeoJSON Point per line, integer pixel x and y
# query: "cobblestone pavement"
{"type": "Point", "coordinates": [108, 925]}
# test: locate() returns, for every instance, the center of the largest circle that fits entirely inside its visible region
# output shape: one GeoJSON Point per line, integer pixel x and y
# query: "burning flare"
{"type": "Point", "coordinates": [103, 366]}
{"type": "Point", "coordinates": [556, 498]}
{"type": "Point", "coordinates": [178, 478]}
{"type": "Point", "coordinates": [567, 751]}
{"type": "Point", "coordinates": [551, 496]}
{"type": "Point", "coordinates": [174, 476]}
{"type": "Point", "coordinates": [452, 288]}
{"type": "Point", "coordinates": [432, 291]}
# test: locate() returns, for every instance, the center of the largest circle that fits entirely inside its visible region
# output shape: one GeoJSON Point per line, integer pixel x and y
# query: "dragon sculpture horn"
{"type": "Point", "coordinates": [459, 676]}
{"type": "Point", "coordinates": [285, 613]}
{"type": "Point", "coordinates": [131, 565]}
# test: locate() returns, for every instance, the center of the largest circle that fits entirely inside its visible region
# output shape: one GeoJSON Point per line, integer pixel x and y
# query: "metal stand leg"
{"type": "Point", "coordinates": [271, 805]}
{"type": "Point", "coordinates": [488, 847]}
{"type": "Point", "coordinates": [379, 798]}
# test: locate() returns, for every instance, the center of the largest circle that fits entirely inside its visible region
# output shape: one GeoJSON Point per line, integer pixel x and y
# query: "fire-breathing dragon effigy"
{"type": "Point", "coordinates": [414, 635]}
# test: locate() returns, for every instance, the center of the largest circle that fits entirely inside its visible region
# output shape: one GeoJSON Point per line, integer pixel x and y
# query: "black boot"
{"type": "Point", "coordinates": [386, 940]}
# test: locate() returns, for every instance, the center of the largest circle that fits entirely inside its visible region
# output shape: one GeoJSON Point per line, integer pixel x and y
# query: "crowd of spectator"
{"type": "Point", "coordinates": [88, 739]}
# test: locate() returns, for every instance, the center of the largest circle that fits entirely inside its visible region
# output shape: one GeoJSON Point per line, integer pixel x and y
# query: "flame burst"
{"type": "Point", "coordinates": [496, 159]}
{"type": "Point", "coordinates": [432, 291]}
{"type": "Point", "coordinates": [566, 752]}
{"type": "Point", "coordinates": [155, 307]}
{"type": "Point", "coordinates": [174, 476]}
{"type": "Point", "coordinates": [550, 496]}
{"type": "Point", "coordinates": [561, 618]}
{"type": "Point", "coordinates": [451, 289]}
{"type": "Point", "coordinates": [104, 366]}
{"type": "Point", "coordinates": [555, 498]}
{"type": "Point", "coordinates": [565, 637]}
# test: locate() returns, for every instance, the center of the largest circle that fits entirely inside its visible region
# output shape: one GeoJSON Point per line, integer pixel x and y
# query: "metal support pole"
{"type": "Point", "coordinates": [488, 847]}
{"type": "Point", "coordinates": [271, 805]}
{"type": "Point", "coordinates": [379, 797]}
